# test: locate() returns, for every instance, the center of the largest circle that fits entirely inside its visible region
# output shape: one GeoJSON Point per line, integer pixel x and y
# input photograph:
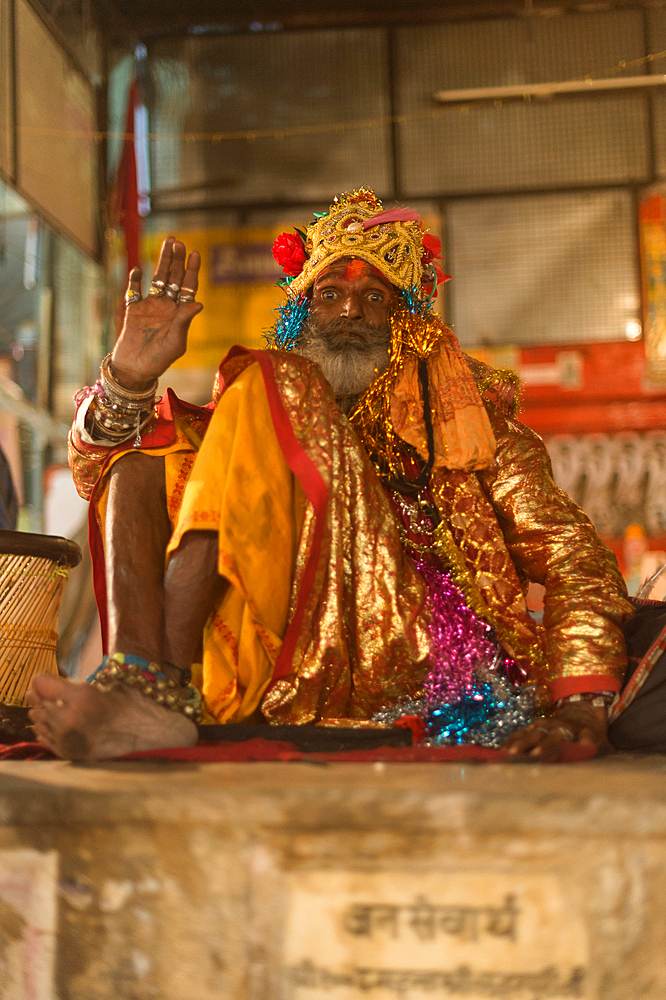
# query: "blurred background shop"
{"type": "Point", "coordinates": [531, 136]}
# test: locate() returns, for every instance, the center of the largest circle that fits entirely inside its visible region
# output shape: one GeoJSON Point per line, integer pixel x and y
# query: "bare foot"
{"type": "Point", "coordinates": [80, 722]}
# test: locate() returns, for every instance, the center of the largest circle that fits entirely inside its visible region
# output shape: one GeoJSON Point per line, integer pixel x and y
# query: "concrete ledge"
{"type": "Point", "coordinates": [293, 880]}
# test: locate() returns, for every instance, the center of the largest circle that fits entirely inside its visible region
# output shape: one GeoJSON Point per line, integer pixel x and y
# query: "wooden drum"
{"type": "Point", "coordinates": [33, 574]}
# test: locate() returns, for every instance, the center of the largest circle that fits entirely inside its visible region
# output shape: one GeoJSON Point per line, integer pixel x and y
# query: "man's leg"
{"type": "Point", "coordinates": [76, 720]}
{"type": "Point", "coordinates": [137, 531]}
{"type": "Point", "coordinates": [192, 590]}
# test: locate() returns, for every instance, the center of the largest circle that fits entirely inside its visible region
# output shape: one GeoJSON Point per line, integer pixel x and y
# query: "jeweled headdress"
{"type": "Point", "coordinates": [356, 225]}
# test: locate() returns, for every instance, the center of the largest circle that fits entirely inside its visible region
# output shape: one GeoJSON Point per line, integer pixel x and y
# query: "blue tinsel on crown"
{"type": "Point", "coordinates": [291, 316]}
{"type": "Point", "coordinates": [416, 301]}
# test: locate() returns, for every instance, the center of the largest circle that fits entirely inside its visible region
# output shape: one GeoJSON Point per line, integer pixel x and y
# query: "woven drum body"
{"type": "Point", "coordinates": [33, 573]}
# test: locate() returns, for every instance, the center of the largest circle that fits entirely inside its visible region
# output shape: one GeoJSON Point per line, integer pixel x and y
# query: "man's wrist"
{"type": "Point", "coordinates": [596, 699]}
{"type": "Point", "coordinates": [581, 715]}
{"type": "Point", "coordinates": [128, 380]}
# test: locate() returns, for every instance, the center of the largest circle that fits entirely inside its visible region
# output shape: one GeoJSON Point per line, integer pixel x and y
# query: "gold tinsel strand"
{"type": "Point", "coordinates": [411, 335]}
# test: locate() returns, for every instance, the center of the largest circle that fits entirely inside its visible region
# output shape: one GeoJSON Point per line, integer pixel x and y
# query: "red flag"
{"type": "Point", "coordinates": [125, 199]}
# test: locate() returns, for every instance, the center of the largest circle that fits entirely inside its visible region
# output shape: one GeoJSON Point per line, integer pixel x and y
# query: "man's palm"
{"type": "Point", "coordinates": [154, 333]}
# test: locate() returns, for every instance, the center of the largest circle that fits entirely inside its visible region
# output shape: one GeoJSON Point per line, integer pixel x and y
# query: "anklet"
{"type": "Point", "coordinates": [150, 681]}
{"type": "Point", "coordinates": [185, 672]}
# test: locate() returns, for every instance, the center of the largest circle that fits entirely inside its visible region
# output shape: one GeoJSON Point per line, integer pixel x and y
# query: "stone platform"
{"type": "Point", "coordinates": [296, 881]}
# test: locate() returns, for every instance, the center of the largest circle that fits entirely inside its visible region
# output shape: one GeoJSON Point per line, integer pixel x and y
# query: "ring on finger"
{"type": "Point", "coordinates": [157, 288]}
{"type": "Point", "coordinates": [185, 298]}
{"type": "Point", "coordinates": [566, 733]}
{"type": "Point", "coordinates": [131, 297]}
{"type": "Point", "coordinates": [541, 729]}
{"type": "Point", "coordinates": [173, 291]}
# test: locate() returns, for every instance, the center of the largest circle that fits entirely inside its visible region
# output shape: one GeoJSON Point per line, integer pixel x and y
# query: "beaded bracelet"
{"type": "Point", "coordinates": [150, 681]}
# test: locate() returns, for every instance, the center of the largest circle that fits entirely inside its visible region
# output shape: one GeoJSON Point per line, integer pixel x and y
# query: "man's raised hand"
{"type": "Point", "coordinates": [154, 333]}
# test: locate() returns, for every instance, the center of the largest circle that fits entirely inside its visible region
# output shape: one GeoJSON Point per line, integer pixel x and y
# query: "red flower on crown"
{"type": "Point", "coordinates": [432, 247]}
{"type": "Point", "coordinates": [289, 252]}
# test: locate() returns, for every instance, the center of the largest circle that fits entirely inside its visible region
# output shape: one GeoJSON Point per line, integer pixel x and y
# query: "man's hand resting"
{"type": "Point", "coordinates": [577, 722]}
{"type": "Point", "coordinates": [154, 333]}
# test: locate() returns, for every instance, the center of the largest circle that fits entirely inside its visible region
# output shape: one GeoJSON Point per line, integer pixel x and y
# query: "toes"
{"type": "Point", "coordinates": [33, 698]}
{"type": "Point", "coordinates": [44, 739]}
{"type": "Point", "coordinates": [42, 730]}
{"type": "Point", "coordinates": [38, 716]}
{"type": "Point", "coordinates": [48, 687]}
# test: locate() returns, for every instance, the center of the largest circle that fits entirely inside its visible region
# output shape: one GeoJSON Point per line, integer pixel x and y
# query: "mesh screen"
{"type": "Point", "coordinates": [657, 43]}
{"type": "Point", "coordinates": [302, 80]}
{"type": "Point", "coordinates": [565, 141]}
{"type": "Point", "coordinates": [541, 269]}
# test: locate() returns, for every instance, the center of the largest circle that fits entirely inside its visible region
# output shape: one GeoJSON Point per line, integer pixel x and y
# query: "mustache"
{"type": "Point", "coordinates": [349, 353]}
{"type": "Point", "coordinates": [343, 335]}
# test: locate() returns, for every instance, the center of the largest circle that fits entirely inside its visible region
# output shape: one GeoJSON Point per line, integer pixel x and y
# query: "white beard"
{"type": "Point", "coordinates": [349, 366]}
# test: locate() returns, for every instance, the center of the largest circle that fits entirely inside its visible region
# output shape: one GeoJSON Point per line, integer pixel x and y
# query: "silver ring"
{"type": "Point", "coordinates": [566, 732]}
{"type": "Point", "coordinates": [542, 729]}
{"type": "Point", "coordinates": [131, 297]}
{"type": "Point", "coordinates": [185, 298]}
{"type": "Point", "coordinates": [191, 291]}
{"type": "Point", "coordinates": [173, 291]}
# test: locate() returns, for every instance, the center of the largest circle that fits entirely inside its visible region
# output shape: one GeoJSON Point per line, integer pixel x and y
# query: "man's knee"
{"type": "Point", "coordinates": [135, 465]}
{"type": "Point", "coordinates": [138, 476]}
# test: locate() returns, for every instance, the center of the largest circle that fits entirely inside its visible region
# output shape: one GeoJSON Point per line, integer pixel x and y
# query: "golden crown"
{"type": "Point", "coordinates": [356, 225]}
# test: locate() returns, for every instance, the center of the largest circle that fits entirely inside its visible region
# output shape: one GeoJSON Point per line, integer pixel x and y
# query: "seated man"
{"type": "Point", "coordinates": [348, 528]}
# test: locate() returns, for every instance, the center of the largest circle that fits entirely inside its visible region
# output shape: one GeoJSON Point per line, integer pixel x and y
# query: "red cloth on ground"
{"type": "Point", "coordinates": [207, 751]}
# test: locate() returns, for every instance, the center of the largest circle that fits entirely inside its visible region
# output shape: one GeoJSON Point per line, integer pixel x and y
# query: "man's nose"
{"type": "Point", "coordinates": [352, 307]}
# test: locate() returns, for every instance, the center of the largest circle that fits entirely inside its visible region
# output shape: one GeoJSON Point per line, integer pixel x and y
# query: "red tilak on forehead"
{"type": "Point", "coordinates": [352, 269]}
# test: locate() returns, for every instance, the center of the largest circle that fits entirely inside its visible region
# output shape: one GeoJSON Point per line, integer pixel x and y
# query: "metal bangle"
{"type": "Point", "coordinates": [119, 393]}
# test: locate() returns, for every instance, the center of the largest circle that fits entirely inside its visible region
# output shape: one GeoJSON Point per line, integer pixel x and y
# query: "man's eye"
{"type": "Point", "coordinates": [375, 297]}
{"type": "Point", "coordinates": [328, 294]}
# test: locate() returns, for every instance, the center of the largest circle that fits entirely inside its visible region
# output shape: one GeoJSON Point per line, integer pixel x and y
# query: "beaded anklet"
{"type": "Point", "coordinates": [150, 681]}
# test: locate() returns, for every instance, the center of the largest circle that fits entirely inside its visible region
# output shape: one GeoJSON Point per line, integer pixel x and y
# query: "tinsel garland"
{"type": "Point", "coordinates": [467, 694]}
{"type": "Point", "coordinates": [415, 330]}
{"type": "Point", "coordinates": [450, 556]}
{"type": "Point", "coordinates": [291, 316]}
{"type": "Point", "coordinates": [467, 697]}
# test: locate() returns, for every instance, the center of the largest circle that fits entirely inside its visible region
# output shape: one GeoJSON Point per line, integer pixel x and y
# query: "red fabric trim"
{"type": "Point", "coordinates": [564, 686]}
{"type": "Point", "coordinates": [271, 750]}
{"type": "Point", "coordinates": [315, 490]}
{"type": "Point", "coordinates": [640, 675]}
{"type": "Point", "coordinates": [99, 573]}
